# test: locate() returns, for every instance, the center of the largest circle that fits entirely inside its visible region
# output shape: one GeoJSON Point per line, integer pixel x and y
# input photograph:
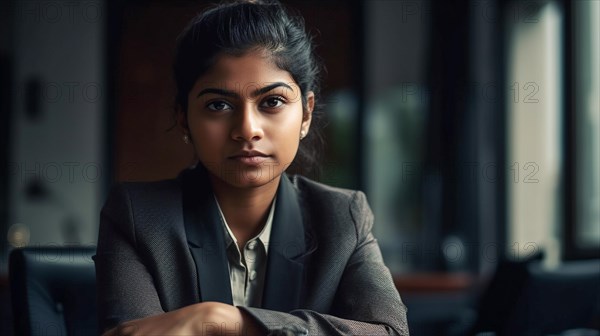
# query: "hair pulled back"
{"type": "Point", "coordinates": [238, 27]}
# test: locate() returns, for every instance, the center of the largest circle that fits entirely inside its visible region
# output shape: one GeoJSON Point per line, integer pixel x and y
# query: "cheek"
{"type": "Point", "coordinates": [207, 136]}
{"type": "Point", "coordinates": [211, 133]}
{"type": "Point", "coordinates": [291, 120]}
{"type": "Point", "coordinates": [288, 133]}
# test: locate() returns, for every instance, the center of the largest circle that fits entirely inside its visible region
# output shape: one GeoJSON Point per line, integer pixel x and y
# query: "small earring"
{"type": "Point", "coordinates": [186, 139]}
{"type": "Point", "coordinates": [302, 135]}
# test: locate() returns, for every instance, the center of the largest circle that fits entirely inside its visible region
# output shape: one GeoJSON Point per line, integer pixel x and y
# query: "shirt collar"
{"type": "Point", "coordinates": [263, 236]}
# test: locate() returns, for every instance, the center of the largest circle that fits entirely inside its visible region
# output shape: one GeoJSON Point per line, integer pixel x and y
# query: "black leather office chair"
{"type": "Point", "coordinates": [53, 291]}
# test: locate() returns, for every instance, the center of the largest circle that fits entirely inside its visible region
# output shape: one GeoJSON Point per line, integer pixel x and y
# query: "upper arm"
{"type": "Point", "coordinates": [125, 288]}
{"type": "Point", "coordinates": [366, 290]}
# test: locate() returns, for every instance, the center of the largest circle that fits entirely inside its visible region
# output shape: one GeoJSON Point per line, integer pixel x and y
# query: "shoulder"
{"type": "Point", "coordinates": [143, 211]}
{"type": "Point", "coordinates": [124, 196]}
{"type": "Point", "coordinates": [327, 193]}
{"type": "Point", "coordinates": [308, 187]}
{"type": "Point", "coordinates": [340, 204]}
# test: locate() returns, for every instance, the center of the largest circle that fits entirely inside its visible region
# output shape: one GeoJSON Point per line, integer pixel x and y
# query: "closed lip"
{"type": "Point", "coordinates": [248, 153]}
{"type": "Point", "coordinates": [251, 158]}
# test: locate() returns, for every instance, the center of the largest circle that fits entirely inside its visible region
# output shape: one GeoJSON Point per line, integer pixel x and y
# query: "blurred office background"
{"type": "Point", "coordinates": [473, 127]}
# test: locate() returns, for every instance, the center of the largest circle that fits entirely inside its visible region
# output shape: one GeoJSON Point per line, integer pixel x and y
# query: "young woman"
{"type": "Point", "coordinates": [234, 245]}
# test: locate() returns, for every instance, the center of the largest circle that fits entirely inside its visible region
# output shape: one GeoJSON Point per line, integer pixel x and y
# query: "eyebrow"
{"type": "Point", "coordinates": [253, 94]}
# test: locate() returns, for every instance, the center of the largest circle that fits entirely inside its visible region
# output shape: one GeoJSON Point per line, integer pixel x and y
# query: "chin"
{"type": "Point", "coordinates": [248, 177]}
{"type": "Point", "coordinates": [252, 183]}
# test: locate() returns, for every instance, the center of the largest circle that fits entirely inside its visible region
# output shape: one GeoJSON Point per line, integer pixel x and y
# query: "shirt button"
{"type": "Point", "coordinates": [252, 275]}
{"type": "Point", "coordinates": [251, 245]}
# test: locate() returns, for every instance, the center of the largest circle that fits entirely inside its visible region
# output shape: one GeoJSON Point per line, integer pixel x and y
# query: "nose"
{"type": "Point", "coordinates": [247, 125]}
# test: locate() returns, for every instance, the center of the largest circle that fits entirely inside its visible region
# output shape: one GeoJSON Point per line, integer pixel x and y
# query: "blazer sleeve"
{"type": "Point", "coordinates": [366, 301]}
{"type": "Point", "coordinates": [125, 288]}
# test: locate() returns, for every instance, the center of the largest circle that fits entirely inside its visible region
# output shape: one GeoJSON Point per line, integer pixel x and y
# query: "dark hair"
{"type": "Point", "coordinates": [235, 28]}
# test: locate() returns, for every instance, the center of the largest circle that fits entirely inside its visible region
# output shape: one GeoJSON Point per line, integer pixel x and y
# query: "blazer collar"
{"type": "Point", "coordinates": [284, 278]}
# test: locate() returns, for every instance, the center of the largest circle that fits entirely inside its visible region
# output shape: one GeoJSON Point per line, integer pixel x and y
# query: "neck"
{"type": "Point", "coordinates": [245, 209]}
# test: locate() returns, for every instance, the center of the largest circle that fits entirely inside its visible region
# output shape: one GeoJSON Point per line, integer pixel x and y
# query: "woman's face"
{"type": "Point", "coordinates": [245, 119]}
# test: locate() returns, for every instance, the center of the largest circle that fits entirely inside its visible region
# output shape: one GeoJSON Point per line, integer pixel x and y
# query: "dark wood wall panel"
{"type": "Point", "coordinates": [144, 149]}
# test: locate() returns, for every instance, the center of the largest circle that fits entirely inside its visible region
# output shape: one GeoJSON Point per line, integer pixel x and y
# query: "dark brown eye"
{"type": "Point", "coordinates": [218, 106]}
{"type": "Point", "coordinates": [273, 102]}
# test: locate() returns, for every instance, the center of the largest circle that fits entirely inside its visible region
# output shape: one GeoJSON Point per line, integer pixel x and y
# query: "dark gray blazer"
{"type": "Point", "coordinates": [160, 248]}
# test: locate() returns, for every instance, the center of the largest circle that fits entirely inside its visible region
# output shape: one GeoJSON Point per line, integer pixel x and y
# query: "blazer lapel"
{"type": "Point", "coordinates": [205, 236]}
{"type": "Point", "coordinates": [284, 278]}
{"type": "Point", "coordinates": [287, 248]}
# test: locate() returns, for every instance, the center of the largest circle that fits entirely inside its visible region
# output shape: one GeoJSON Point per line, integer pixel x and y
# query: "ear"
{"type": "Point", "coordinates": [307, 118]}
{"type": "Point", "coordinates": [182, 122]}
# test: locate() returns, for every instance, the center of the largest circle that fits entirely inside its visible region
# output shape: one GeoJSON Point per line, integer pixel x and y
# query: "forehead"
{"type": "Point", "coordinates": [254, 68]}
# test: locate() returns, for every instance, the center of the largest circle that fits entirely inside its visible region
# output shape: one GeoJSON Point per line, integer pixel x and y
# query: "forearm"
{"type": "Point", "coordinates": [223, 319]}
{"type": "Point", "coordinates": [206, 319]}
{"type": "Point", "coordinates": [308, 322]}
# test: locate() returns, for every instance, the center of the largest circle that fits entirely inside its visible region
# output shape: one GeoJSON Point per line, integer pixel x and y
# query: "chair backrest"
{"type": "Point", "coordinates": [524, 298]}
{"type": "Point", "coordinates": [53, 291]}
{"type": "Point", "coordinates": [555, 300]}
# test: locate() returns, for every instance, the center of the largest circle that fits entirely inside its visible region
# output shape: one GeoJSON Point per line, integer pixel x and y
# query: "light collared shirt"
{"type": "Point", "coordinates": [247, 268]}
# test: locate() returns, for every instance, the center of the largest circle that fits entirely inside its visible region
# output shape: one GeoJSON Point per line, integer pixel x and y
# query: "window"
{"type": "Point", "coordinates": [534, 121]}
{"type": "Point", "coordinates": [586, 86]}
